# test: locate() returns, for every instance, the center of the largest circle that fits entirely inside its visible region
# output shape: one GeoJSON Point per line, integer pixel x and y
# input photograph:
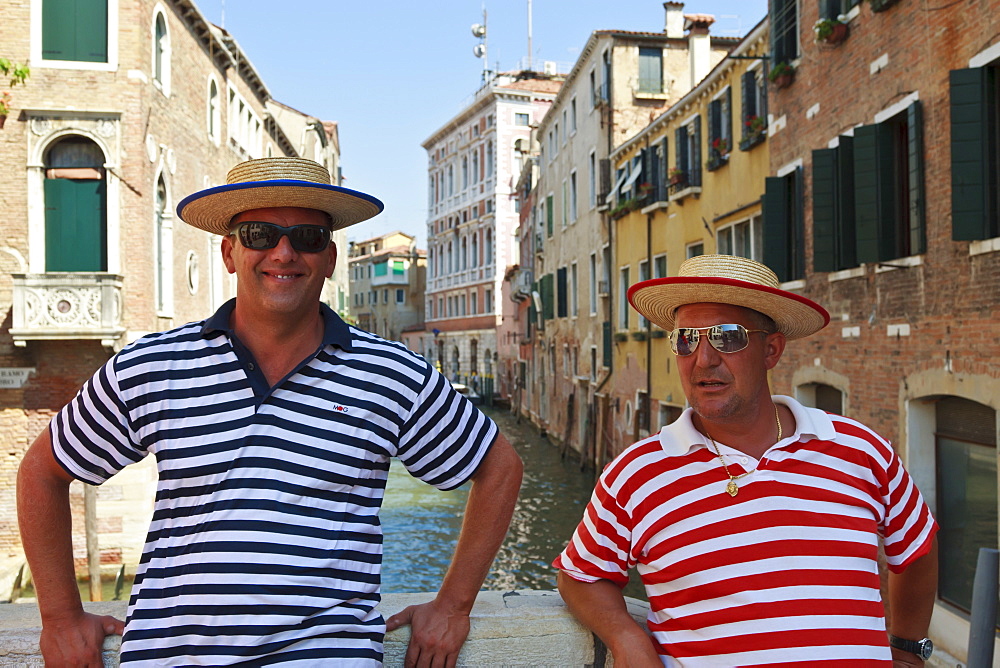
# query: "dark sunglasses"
{"type": "Point", "coordinates": [724, 338]}
{"type": "Point", "coordinates": [264, 236]}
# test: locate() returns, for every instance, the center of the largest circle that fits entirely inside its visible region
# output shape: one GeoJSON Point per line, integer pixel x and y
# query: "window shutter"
{"type": "Point", "coordinates": [664, 169]}
{"type": "Point", "coordinates": [727, 119]}
{"type": "Point", "coordinates": [680, 148]}
{"type": "Point", "coordinates": [561, 302]}
{"type": "Point", "coordinates": [915, 180]}
{"type": "Point", "coordinates": [973, 201]}
{"type": "Point", "coordinates": [866, 200]}
{"type": "Point", "coordinates": [92, 30]}
{"type": "Point", "coordinates": [748, 90]}
{"type": "Point", "coordinates": [695, 177]}
{"type": "Point", "coordinates": [58, 30]}
{"type": "Point", "coordinates": [548, 215]}
{"type": "Point", "coordinates": [824, 182]}
{"type": "Point", "coordinates": [75, 225]}
{"type": "Point", "coordinates": [846, 237]}
{"type": "Point", "coordinates": [714, 121]}
{"type": "Point", "coordinates": [605, 167]}
{"type": "Point", "coordinates": [548, 293]}
{"type": "Point", "coordinates": [776, 214]}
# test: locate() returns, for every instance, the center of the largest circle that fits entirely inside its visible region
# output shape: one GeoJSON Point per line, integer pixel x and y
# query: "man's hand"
{"type": "Point", "coordinates": [436, 633]}
{"type": "Point", "coordinates": [77, 640]}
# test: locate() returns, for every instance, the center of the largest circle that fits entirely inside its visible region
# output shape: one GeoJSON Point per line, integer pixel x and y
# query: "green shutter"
{"type": "Point", "coordinates": [694, 178]}
{"type": "Point", "coordinates": [866, 191]}
{"type": "Point", "coordinates": [92, 31]}
{"type": "Point", "coordinates": [606, 340]}
{"type": "Point", "coordinates": [973, 110]}
{"type": "Point", "coordinates": [915, 179]}
{"type": "Point", "coordinates": [824, 182]}
{"type": "Point", "coordinates": [398, 267]}
{"type": "Point", "coordinates": [75, 228]}
{"type": "Point", "coordinates": [776, 213]}
{"type": "Point", "coordinates": [548, 215]}
{"type": "Point", "coordinates": [548, 296]}
{"type": "Point", "coordinates": [382, 269]}
{"type": "Point", "coordinates": [75, 30]}
{"type": "Point", "coordinates": [846, 236]}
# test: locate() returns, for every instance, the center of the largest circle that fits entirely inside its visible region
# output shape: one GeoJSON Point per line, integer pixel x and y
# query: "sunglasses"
{"type": "Point", "coordinates": [724, 338]}
{"type": "Point", "coordinates": [264, 236]}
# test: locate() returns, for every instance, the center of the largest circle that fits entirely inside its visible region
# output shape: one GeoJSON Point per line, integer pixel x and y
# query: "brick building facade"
{"type": "Point", "coordinates": [130, 106]}
{"type": "Point", "coordinates": [884, 189]}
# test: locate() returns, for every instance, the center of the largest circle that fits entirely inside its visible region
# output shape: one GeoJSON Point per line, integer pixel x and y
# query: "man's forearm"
{"type": "Point", "coordinates": [46, 530]}
{"type": "Point", "coordinates": [911, 596]}
{"type": "Point", "coordinates": [487, 517]}
{"type": "Point", "coordinates": [600, 606]}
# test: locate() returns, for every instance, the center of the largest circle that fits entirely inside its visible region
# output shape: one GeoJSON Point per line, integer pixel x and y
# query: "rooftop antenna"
{"type": "Point", "coordinates": [529, 36]}
{"type": "Point", "coordinates": [479, 50]}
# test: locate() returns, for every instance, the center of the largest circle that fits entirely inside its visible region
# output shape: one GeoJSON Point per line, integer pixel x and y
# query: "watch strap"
{"type": "Point", "coordinates": [917, 647]}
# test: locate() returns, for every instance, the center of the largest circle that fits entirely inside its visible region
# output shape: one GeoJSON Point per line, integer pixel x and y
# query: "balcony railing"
{"type": "Point", "coordinates": [67, 306]}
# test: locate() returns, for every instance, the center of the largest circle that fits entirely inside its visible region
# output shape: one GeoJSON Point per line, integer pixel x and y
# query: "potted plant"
{"type": "Point", "coordinates": [18, 75]}
{"type": "Point", "coordinates": [831, 31]}
{"type": "Point", "coordinates": [676, 175]}
{"type": "Point", "coordinates": [782, 74]}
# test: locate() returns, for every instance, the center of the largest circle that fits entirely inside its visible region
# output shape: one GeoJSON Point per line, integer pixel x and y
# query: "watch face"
{"type": "Point", "coordinates": [926, 648]}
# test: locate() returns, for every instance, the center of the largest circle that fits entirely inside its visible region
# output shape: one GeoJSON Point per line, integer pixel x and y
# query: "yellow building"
{"type": "Point", "coordinates": [690, 183]}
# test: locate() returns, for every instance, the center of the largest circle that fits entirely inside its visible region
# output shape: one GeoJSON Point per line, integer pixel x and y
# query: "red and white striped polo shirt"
{"type": "Point", "coordinates": [786, 572]}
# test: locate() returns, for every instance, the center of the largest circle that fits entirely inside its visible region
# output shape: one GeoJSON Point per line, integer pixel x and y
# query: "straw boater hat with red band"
{"type": "Point", "coordinates": [727, 279]}
{"type": "Point", "coordinates": [274, 182]}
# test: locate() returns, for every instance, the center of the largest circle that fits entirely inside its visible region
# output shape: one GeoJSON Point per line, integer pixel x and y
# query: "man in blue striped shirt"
{"type": "Point", "coordinates": [273, 423]}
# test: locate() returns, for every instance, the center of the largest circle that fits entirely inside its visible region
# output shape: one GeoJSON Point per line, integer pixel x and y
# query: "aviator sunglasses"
{"type": "Point", "coordinates": [264, 236]}
{"type": "Point", "coordinates": [724, 338]}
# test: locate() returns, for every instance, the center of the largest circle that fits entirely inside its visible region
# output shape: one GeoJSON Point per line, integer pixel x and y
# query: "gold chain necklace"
{"type": "Point", "coordinates": [732, 487]}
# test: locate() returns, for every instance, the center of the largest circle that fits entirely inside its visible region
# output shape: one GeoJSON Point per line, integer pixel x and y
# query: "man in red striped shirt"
{"type": "Point", "coordinates": [754, 522]}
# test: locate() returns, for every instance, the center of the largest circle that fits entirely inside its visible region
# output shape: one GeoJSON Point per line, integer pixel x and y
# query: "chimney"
{"type": "Point", "coordinates": [699, 45]}
{"type": "Point", "coordinates": [675, 19]}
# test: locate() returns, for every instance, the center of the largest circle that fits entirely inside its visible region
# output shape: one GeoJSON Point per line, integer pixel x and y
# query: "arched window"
{"type": "Point", "coordinates": [489, 159]}
{"type": "Point", "coordinates": [163, 248]}
{"type": "Point", "coordinates": [214, 112]}
{"type": "Point", "coordinates": [475, 250]}
{"type": "Point", "coordinates": [475, 165]}
{"type": "Point", "coordinates": [465, 173]}
{"type": "Point", "coordinates": [473, 356]}
{"type": "Point", "coordinates": [465, 254]}
{"type": "Point", "coordinates": [488, 248]}
{"type": "Point", "coordinates": [451, 180]}
{"type": "Point", "coordinates": [76, 206]}
{"type": "Point", "coordinates": [161, 53]}
{"type": "Point", "coordinates": [451, 258]}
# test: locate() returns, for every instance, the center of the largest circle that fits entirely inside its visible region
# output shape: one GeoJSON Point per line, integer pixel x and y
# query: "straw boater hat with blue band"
{"type": "Point", "coordinates": [275, 182]}
{"type": "Point", "coordinates": [727, 279]}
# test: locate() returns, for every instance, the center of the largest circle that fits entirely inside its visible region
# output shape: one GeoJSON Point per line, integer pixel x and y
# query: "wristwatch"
{"type": "Point", "coordinates": [922, 648]}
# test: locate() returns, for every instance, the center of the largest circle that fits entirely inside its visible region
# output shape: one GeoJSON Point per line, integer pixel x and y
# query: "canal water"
{"type": "Point", "coordinates": [421, 523]}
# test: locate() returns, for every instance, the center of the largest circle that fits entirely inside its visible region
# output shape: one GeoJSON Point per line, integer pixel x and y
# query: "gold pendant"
{"type": "Point", "coordinates": [732, 488]}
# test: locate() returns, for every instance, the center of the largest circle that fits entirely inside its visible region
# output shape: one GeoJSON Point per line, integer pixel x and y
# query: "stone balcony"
{"type": "Point", "coordinates": [67, 306]}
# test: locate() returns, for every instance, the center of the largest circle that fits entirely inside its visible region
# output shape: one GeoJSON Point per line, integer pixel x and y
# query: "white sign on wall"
{"type": "Point", "coordinates": [14, 378]}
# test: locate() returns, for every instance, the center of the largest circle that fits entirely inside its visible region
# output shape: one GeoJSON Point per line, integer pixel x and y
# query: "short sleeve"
{"type": "Point", "coordinates": [600, 546]}
{"type": "Point", "coordinates": [91, 437]}
{"type": "Point", "coordinates": [445, 437]}
{"type": "Point", "coordinates": [908, 526]}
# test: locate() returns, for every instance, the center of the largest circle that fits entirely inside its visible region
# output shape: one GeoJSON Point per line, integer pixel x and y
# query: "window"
{"type": "Point", "coordinates": [593, 284]}
{"type": "Point", "coordinates": [966, 474]}
{"type": "Point", "coordinates": [565, 204]}
{"type": "Point", "coordinates": [548, 215]}
{"type": "Point", "coordinates": [592, 178]}
{"type": "Point", "coordinates": [161, 54]}
{"type": "Point", "coordinates": [465, 172]}
{"type": "Point", "coordinates": [555, 142]}
{"type": "Point", "coordinates": [163, 249]}
{"type": "Point", "coordinates": [660, 266]}
{"type": "Point", "coordinates": [475, 166]}
{"type": "Point", "coordinates": [565, 125]}
{"type": "Point", "coordinates": [650, 70]}
{"type": "Point", "coordinates": [214, 117]}
{"type": "Point", "coordinates": [975, 153]}
{"type": "Point", "coordinates": [572, 116]}
{"type": "Point", "coordinates": [385, 295]}
{"type": "Point", "coordinates": [473, 303]}
{"type": "Point", "coordinates": [623, 307]}
{"type": "Point", "coordinates": [76, 207]}
{"type": "Point", "coordinates": [784, 248]}
{"type": "Point", "coordinates": [695, 249]}
{"type": "Point", "coordinates": [489, 159]}
{"type": "Point", "coordinates": [831, 9]}
{"type": "Point", "coordinates": [77, 30]}
{"type": "Point", "coordinates": [574, 304]}
{"type": "Point", "coordinates": [593, 89]}
{"type": "Point", "coordinates": [754, 118]}
{"type": "Point", "coordinates": [784, 31]}
{"type": "Point", "coordinates": [245, 127]}
{"type": "Point", "coordinates": [522, 119]}
{"type": "Point", "coordinates": [720, 130]}
{"type": "Point", "coordinates": [742, 239]}
{"type": "Point", "coordinates": [572, 197]}
{"type": "Point", "coordinates": [687, 149]}
{"type": "Point", "coordinates": [488, 302]}
{"type": "Point", "coordinates": [889, 187]}
{"type": "Point", "coordinates": [561, 294]}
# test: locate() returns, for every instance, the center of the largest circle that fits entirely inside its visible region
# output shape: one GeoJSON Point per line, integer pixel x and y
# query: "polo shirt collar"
{"type": "Point", "coordinates": [680, 437]}
{"type": "Point", "coordinates": [335, 331]}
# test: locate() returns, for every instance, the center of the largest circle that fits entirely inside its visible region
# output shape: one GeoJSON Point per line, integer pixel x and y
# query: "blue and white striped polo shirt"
{"type": "Point", "coordinates": [265, 545]}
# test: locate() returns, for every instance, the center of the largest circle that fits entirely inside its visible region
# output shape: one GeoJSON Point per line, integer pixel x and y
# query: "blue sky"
{"type": "Point", "coordinates": [391, 72]}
